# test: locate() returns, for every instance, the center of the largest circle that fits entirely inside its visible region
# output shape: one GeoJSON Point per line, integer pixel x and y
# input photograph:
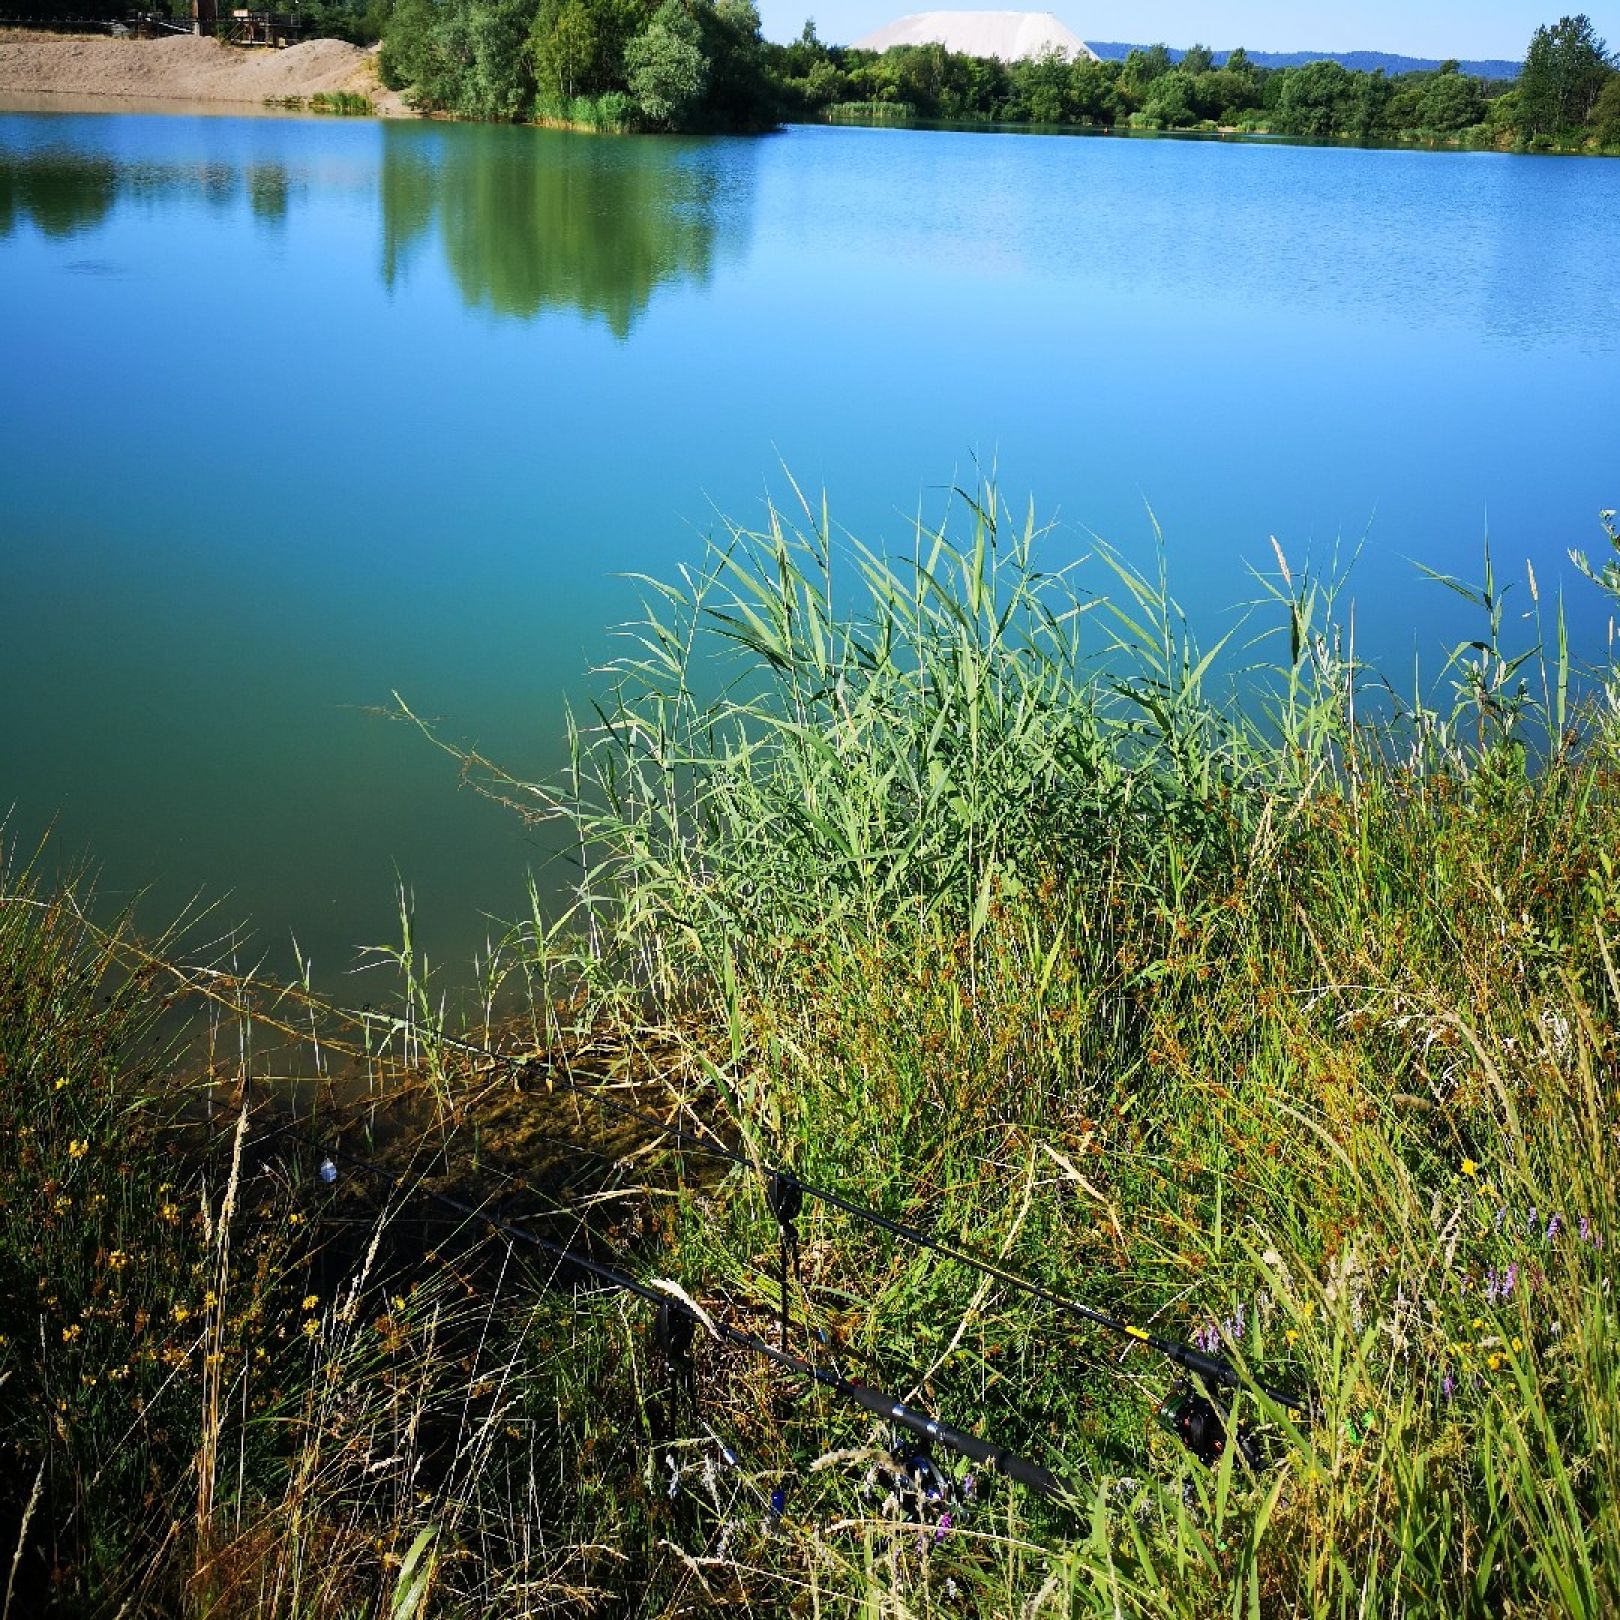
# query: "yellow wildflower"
{"type": "Point", "coordinates": [311, 1301]}
{"type": "Point", "coordinates": [1470, 1168]}
{"type": "Point", "coordinates": [169, 1211]}
{"type": "Point", "coordinates": [295, 1219]}
{"type": "Point", "coordinates": [210, 1300]}
{"type": "Point", "coordinates": [70, 1334]}
{"type": "Point", "coordinates": [78, 1147]}
{"type": "Point", "coordinates": [62, 1080]}
{"type": "Point", "coordinates": [1518, 1343]}
{"type": "Point", "coordinates": [181, 1313]}
{"type": "Point", "coordinates": [311, 1328]}
{"type": "Point", "coordinates": [117, 1260]}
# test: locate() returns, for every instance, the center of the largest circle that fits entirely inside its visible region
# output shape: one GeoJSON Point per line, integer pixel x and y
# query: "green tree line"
{"type": "Point", "coordinates": [612, 64]}
{"type": "Point", "coordinates": [1568, 94]}
{"type": "Point", "coordinates": [703, 65]}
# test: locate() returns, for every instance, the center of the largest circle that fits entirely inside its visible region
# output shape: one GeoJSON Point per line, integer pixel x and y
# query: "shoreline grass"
{"type": "Point", "coordinates": [1265, 1006]}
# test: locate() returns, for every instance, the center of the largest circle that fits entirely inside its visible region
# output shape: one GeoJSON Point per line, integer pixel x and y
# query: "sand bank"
{"type": "Point", "coordinates": [184, 68]}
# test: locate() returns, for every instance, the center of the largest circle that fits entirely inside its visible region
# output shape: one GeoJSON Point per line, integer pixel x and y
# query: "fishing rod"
{"type": "Point", "coordinates": [785, 1191]}
{"type": "Point", "coordinates": [670, 1307]}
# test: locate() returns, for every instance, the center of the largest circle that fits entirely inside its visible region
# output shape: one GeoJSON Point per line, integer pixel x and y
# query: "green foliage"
{"type": "Point", "coordinates": [578, 45]}
{"type": "Point", "coordinates": [1564, 73]}
{"type": "Point", "coordinates": [1449, 102]}
{"type": "Point", "coordinates": [342, 103]}
{"type": "Point", "coordinates": [360, 22]}
{"type": "Point", "coordinates": [599, 64]}
{"type": "Point", "coordinates": [466, 57]}
{"type": "Point", "coordinates": [702, 65]}
{"type": "Point", "coordinates": [1244, 1002]}
{"type": "Point", "coordinates": [567, 49]}
{"type": "Point", "coordinates": [1318, 99]}
{"type": "Point", "coordinates": [975, 891]}
{"type": "Point", "coordinates": [740, 94]}
{"type": "Point", "coordinates": [1171, 101]}
{"type": "Point", "coordinates": [1606, 115]}
{"type": "Point", "coordinates": [665, 67]}
{"type": "Point", "coordinates": [1197, 59]}
{"type": "Point", "coordinates": [115, 1269]}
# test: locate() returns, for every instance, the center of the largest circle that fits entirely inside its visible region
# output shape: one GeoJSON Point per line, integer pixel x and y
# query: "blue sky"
{"type": "Point", "coordinates": [1471, 28]}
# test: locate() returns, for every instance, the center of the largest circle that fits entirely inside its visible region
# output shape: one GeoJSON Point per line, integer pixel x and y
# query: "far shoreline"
{"type": "Point", "coordinates": [185, 75]}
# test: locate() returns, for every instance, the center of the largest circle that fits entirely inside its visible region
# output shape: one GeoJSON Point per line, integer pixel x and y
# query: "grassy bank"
{"type": "Point", "coordinates": [1262, 1006]}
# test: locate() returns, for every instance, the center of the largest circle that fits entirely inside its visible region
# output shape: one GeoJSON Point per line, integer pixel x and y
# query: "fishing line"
{"type": "Point", "coordinates": [984, 1452]}
{"type": "Point", "coordinates": [781, 1182]}
{"type": "Point", "coordinates": [1215, 1371]}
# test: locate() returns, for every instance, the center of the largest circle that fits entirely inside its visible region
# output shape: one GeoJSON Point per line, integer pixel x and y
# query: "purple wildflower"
{"type": "Point", "coordinates": [1586, 1228]}
{"type": "Point", "coordinates": [943, 1528]}
{"type": "Point", "coordinates": [1553, 1227]}
{"type": "Point", "coordinates": [1493, 1287]}
{"type": "Point", "coordinates": [1501, 1215]}
{"type": "Point", "coordinates": [1530, 1225]}
{"type": "Point", "coordinates": [1510, 1278]}
{"type": "Point", "coordinates": [970, 1487]}
{"type": "Point", "coordinates": [1448, 1385]}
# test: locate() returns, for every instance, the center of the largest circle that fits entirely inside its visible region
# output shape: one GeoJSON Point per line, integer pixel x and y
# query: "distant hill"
{"type": "Point", "coordinates": [1359, 61]}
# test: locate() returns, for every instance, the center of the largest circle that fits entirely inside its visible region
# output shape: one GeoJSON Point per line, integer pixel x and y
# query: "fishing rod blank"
{"type": "Point", "coordinates": [1214, 1370]}
{"type": "Point", "coordinates": [984, 1452]}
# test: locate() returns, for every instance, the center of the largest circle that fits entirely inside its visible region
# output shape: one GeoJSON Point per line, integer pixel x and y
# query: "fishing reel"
{"type": "Point", "coordinates": [1205, 1427]}
{"type": "Point", "coordinates": [920, 1483]}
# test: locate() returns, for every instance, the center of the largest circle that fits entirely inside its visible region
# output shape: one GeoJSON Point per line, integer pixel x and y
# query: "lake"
{"type": "Point", "coordinates": [298, 413]}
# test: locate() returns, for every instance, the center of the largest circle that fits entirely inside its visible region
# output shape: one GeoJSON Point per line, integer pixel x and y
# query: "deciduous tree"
{"type": "Point", "coordinates": [1564, 73]}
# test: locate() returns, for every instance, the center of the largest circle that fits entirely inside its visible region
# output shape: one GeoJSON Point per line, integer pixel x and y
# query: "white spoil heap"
{"type": "Point", "coordinates": [1010, 35]}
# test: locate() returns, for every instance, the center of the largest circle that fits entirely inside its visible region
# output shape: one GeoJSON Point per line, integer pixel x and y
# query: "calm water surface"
{"type": "Point", "coordinates": [297, 413]}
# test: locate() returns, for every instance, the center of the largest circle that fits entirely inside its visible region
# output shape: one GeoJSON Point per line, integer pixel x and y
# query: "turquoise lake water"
{"type": "Point", "coordinates": [295, 413]}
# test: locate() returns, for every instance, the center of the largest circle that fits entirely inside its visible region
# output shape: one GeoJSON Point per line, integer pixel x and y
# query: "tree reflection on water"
{"type": "Point", "coordinates": [531, 220]}
{"type": "Point", "coordinates": [528, 220]}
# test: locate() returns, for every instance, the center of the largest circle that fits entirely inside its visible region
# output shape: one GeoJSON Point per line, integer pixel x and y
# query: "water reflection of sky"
{"type": "Point", "coordinates": [303, 412]}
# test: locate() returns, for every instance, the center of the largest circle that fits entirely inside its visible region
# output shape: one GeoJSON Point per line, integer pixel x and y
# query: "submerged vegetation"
{"type": "Point", "coordinates": [1267, 1006]}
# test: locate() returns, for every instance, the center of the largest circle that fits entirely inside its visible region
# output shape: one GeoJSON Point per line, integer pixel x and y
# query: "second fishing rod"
{"type": "Point", "coordinates": [785, 1191]}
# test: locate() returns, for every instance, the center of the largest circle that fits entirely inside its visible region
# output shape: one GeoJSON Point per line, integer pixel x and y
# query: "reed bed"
{"type": "Point", "coordinates": [1223, 987]}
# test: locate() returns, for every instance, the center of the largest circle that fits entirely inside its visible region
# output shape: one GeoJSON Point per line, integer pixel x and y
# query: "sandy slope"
{"type": "Point", "coordinates": [183, 68]}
